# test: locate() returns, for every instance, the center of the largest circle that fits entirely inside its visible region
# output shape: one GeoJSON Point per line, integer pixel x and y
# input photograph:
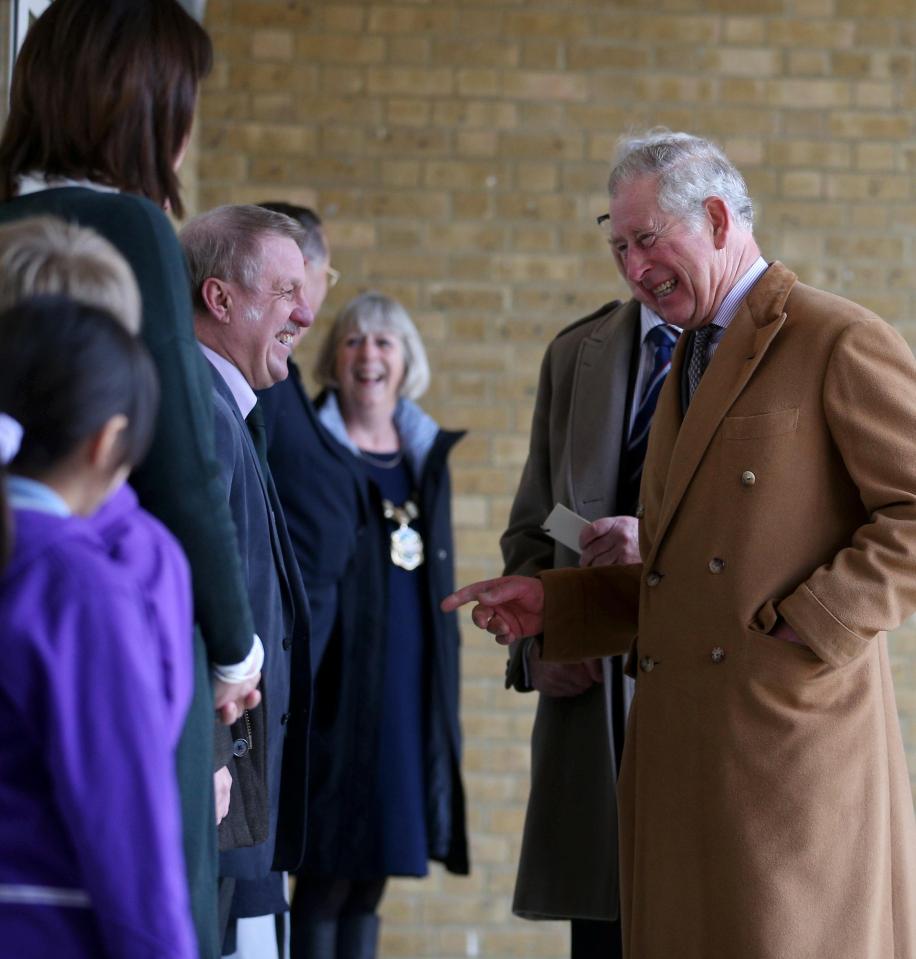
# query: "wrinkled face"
{"type": "Point", "coordinates": [369, 369]}
{"type": "Point", "coordinates": [672, 267]}
{"type": "Point", "coordinates": [267, 322]}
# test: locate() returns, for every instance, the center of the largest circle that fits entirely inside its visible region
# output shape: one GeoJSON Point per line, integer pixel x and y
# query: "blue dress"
{"type": "Point", "coordinates": [401, 847]}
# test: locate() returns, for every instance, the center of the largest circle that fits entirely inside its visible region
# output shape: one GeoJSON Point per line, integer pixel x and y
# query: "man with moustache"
{"type": "Point", "coordinates": [250, 309]}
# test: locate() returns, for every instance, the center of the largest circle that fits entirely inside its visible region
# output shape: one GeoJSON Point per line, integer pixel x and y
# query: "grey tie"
{"type": "Point", "coordinates": [697, 365]}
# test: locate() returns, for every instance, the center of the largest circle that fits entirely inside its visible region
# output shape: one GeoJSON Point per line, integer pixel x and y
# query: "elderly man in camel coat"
{"type": "Point", "coordinates": [765, 809]}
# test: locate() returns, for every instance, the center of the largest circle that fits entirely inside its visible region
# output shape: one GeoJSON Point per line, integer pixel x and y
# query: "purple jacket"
{"type": "Point", "coordinates": [145, 549]}
{"type": "Point", "coordinates": [90, 842]}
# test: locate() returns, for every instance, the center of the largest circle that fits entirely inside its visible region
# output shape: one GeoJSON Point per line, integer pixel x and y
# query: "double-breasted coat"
{"type": "Point", "coordinates": [568, 863]}
{"type": "Point", "coordinates": [765, 805]}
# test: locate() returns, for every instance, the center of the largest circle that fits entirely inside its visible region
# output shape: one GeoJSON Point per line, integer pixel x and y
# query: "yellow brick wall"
{"type": "Point", "coordinates": [458, 151]}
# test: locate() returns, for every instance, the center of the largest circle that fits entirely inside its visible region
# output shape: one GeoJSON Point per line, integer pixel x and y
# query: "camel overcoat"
{"type": "Point", "coordinates": [765, 807]}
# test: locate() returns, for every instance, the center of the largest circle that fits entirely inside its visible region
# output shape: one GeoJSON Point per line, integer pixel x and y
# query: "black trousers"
{"type": "Point", "coordinates": [594, 939]}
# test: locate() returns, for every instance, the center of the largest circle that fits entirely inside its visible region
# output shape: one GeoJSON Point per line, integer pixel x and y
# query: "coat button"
{"type": "Point", "coordinates": [240, 747]}
{"type": "Point", "coordinates": [284, 719]}
{"type": "Point", "coordinates": [287, 642]}
{"type": "Point", "coordinates": [442, 554]}
{"type": "Point", "coordinates": [640, 511]}
{"type": "Point", "coordinates": [647, 664]}
{"type": "Point", "coordinates": [716, 565]}
{"type": "Point", "coordinates": [748, 478]}
{"type": "Point", "coordinates": [718, 654]}
{"type": "Point", "coordinates": [653, 579]}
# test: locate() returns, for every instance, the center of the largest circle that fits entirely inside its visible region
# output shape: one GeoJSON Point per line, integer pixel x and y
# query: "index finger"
{"type": "Point", "coordinates": [488, 592]}
{"type": "Point", "coordinates": [461, 597]}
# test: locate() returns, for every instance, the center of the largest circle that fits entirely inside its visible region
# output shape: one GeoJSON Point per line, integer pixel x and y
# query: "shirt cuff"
{"type": "Point", "coordinates": [248, 667]}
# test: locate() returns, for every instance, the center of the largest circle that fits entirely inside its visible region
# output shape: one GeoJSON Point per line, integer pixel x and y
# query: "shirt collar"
{"type": "Point", "coordinates": [648, 320]}
{"type": "Point", "coordinates": [25, 493]}
{"type": "Point", "coordinates": [242, 393]}
{"type": "Point", "coordinates": [36, 182]}
{"type": "Point", "coordinates": [729, 307]}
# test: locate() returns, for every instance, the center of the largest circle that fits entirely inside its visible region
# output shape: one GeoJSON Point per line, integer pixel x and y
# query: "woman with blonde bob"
{"type": "Point", "coordinates": [373, 533]}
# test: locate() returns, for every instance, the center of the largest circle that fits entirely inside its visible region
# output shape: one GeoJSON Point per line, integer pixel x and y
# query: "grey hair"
{"type": "Point", "coordinates": [43, 254]}
{"type": "Point", "coordinates": [372, 313]}
{"type": "Point", "coordinates": [690, 169]}
{"type": "Point", "coordinates": [226, 243]}
{"type": "Point", "coordinates": [314, 246]}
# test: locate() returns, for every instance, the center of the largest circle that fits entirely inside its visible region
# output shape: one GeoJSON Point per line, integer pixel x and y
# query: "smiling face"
{"type": "Point", "coordinates": [266, 323]}
{"type": "Point", "coordinates": [676, 269]}
{"type": "Point", "coordinates": [369, 369]}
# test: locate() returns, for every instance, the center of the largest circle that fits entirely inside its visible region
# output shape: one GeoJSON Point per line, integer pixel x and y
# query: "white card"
{"type": "Point", "coordinates": [564, 526]}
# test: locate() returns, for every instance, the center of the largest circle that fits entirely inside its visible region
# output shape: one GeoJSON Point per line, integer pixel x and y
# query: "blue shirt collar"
{"type": "Point", "coordinates": [24, 493]}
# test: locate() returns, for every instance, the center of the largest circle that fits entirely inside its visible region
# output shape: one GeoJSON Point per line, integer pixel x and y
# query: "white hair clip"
{"type": "Point", "coordinates": [10, 438]}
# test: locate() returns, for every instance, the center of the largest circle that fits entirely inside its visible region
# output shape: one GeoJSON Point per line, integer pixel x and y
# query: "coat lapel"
{"type": "Point", "coordinates": [685, 439]}
{"type": "Point", "coordinates": [268, 491]}
{"type": "Point", "coordinates": [598, 415]}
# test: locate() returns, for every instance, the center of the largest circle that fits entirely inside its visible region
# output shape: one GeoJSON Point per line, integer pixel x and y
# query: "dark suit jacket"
{"type": "Point", "coordinates": [270, 779]}
{"type": "Point", "coordinates": [568, 863]}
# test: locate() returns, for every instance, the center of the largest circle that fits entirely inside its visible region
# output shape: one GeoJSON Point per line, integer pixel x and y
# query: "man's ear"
{"type": "Point", "coordinates": [719, 219]}
{"type": "Point", "coordinates": [217, 298]}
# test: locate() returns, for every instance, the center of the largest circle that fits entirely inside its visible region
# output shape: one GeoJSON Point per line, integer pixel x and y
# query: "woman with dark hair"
{"type": "Point", "coordinates": [101, 106]}
{"type": "Point", "coordinates": [89, 813]}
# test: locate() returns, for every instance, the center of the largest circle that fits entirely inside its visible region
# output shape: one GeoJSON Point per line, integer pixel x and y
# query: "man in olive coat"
{"type": "Point", "coordinates": [764, 800]}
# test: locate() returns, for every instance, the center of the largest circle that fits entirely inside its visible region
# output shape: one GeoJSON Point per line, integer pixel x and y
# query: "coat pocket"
{"type": "Point", "coordinates": [781, 652]}
{"type": "Point", "coordinates": [760, 425]}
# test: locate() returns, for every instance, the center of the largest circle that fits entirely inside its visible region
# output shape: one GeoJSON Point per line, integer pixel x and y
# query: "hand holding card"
{"type": "Point", "coordinates": [564, 526]}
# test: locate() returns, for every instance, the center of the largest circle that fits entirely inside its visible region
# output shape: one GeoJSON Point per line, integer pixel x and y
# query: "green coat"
{"type": "Point", "coordinates": [179, 483]}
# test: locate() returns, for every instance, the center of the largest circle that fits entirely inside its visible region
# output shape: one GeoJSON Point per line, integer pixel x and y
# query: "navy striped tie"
{"type": "Point", "coordinates": [663, 338]}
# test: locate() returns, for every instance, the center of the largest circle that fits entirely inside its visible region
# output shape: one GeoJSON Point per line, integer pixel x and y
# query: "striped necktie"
{"type": "Point", "coordinates": [663, 339]}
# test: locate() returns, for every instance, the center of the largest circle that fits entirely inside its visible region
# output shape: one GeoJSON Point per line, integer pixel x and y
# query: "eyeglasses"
{"type": "Point", "coordinates": [604, 224]}
{"type": "Point", "coordinates": [332, 275]}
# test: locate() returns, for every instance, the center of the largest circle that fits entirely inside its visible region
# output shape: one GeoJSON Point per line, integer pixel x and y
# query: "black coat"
{"type": "Point", "coordinates": [334, 516]}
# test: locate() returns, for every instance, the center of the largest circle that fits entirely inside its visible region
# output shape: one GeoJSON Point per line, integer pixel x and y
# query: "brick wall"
{"type": "Point", "coordinates": [459, 151]}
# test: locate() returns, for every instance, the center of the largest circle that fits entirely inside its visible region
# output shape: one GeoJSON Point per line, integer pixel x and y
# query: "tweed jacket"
{"type": "Point", "coordinates": [765, 805]}
{"type": "Point", "coordinates": [568, 862]}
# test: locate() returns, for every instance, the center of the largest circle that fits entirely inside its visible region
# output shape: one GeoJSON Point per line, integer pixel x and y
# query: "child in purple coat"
{"type": "Point", "coordinates": [91, 862]}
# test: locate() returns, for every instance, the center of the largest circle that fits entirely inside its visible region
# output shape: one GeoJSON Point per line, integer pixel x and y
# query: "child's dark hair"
{"type": "Point", "coordinates": [65, 370]}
